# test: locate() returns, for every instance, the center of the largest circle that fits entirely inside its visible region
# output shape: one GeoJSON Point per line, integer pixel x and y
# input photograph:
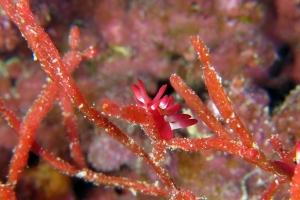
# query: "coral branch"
{"type": "Point", "coordinates": [86, 174]}
{"type": "Point", "coordinates": [28, 130]}
{"type": "Point", "coordinates": [199, 108]}
{"type": "Point", "coordinates": [52, 64]}
{"type": "Point", "coordinates": [275, 185]}
{"type": "Point", "coordinates": [198, 144]}
{"type": "Point", "coordinates": [99, 178]}
{"type": "Point", "coordinates": [32, 120]}
{"type": "Point", "coordinates": [7, 192]}
{"type": "Point", "coordinates": [250, 155]}
{"type": "Point", "coordinates": [276, 143]}
{"type": "Point", "coordinates": [70, 121]}
{"type": "Point", "coordinates": [218, 94]}
{"type": "Point", "coordinates": [219, 97]}
{"type": "Point", "coordinates": [295, 188]}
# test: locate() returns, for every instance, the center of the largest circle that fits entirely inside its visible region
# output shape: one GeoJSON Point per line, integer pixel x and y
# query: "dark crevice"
{"type": "Point", "coordinates": [81, 188]}
{"type": "Point", "coordinates": [277, 96]}
{"type": "Point", "coordinates": [33, 159]}
{"type": "Point", "coordinates": [119, 190]}
{"type": "Point", "coordinates": [285, 58]}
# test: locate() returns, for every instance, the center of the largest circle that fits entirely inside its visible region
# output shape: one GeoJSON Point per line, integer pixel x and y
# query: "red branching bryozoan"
{"type": "Point", "coordinates": [219, 97]}
{"type": "Point", "coordinates": [7, 192]}
{"type": "Point", "coordinates": [54, 67]}
{"type": "Point", "coordinates": [295, 188]}
{"type": "Point", "coordinates": [274, 186]}
{"type": "Point", "coordinates": [157, 117]}
{"type": "Point", "coordinates": [225, 108]}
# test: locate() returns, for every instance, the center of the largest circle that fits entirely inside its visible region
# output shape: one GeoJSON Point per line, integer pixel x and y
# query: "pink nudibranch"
{"type": "Point", "coordinates": [163, 110]}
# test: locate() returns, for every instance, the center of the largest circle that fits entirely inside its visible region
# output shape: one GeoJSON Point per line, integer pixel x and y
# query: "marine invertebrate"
{"type": "Point", "coordinates": [238, 142]}
{"type": "Point", "coordinates": [163, 110]}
